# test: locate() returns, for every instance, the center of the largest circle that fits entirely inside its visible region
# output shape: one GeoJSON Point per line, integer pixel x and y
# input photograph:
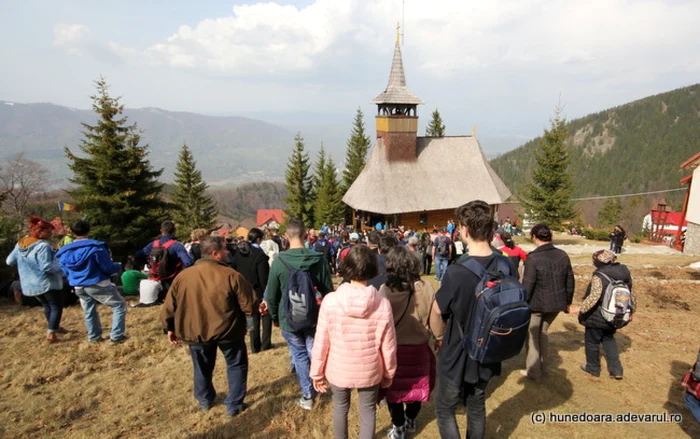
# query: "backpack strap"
{"type": "Point", "coordinates": [169, 244]}
{"type": "Point", "coordinates": [603, 275]}
{"type": "Point", "coordinates": [156, 243]}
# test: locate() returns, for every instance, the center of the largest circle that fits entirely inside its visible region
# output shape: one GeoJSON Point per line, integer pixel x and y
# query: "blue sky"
{"type": "Point", "coordinates": [501, 64]}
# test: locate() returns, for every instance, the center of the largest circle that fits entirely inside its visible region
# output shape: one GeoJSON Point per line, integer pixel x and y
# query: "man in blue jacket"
{"type": "Point", "coordinates": [88, 267]}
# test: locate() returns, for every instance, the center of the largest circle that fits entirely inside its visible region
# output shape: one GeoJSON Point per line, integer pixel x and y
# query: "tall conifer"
{"type": "Point", "coordinates": [193, 208]}
{"type": "Point", "coordinates": [115, 186]}
{"type": "Point", "coordinates": [547, 198]}
{"type": "Point", "coordinates": [356, 152]}
{"type": "Point", "coordinates": [436, 128]}
{"type": "Point", "coordinates": [299, 184]}
{"type": "Point", "coordinates": [328, 207]}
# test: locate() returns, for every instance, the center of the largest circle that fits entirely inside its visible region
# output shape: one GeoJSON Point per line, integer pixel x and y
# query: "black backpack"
{"type": "Point", "coordinates": [303, 301]}
{"type": "Point", "coordinates": [161, 267]}
{"type": "Point", "coordinates": [443, 246]}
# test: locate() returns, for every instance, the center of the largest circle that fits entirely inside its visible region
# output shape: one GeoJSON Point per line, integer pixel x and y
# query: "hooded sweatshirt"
{"type": "Point", "coordinates": [355, 342]}
{"type": "Point", "coordinates": [86, 262]}
{"type": "Point", "coordinates": [39, 271]}
{"type": "Point", "coordinates": [301, 259]}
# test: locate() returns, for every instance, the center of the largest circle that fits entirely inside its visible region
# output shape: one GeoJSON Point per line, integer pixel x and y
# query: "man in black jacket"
{"type": "Point", "coordinates": [549, 283]}
{"type": "Point", "coordinates": [252, 262]}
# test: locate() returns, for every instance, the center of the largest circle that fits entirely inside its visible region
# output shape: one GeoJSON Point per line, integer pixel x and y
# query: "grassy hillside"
{"type": "Point", "coordinates": [242, 203]}
{"type": "Point", "coordinates": [635, 147]}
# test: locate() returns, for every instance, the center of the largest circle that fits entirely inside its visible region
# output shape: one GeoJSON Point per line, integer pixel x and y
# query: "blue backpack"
{"type": "Point", "coordinates": [498, 324]}
{"type": "Point", "coordinates": [303, 300]}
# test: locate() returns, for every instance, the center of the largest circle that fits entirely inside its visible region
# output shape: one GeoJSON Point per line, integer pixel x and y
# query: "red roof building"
{"type": "Point", "coordinates": [270, 218]}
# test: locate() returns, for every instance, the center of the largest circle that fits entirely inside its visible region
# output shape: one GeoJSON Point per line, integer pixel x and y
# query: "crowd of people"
{"type": "Point", "coordinates": [383, 330]}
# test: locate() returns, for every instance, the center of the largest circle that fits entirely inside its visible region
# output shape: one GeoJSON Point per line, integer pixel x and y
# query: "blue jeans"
{"type": "Point", "coordinates": [693, 405]}
{"type": "Point", "coordinates": [204, 360]}
{"type": "Point", "coordinates": [440, 267]}
{"type": "Point", "coordinates": [108, 296]}
{"type": "Point", "coordinates": [300, 345]}
{"type": "Point", "coordinates": [52, 301]}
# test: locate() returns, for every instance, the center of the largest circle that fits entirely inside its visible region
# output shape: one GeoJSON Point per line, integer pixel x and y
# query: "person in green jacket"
{"type": "Point", "coordinates": [300, 342]}
{"type": "Point", "coordinates": [131, 279]}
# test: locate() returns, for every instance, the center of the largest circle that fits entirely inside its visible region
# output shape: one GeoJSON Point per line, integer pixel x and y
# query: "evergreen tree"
{"type": "Point", "coordinates": [299, 184]}
{"type": "Point", "coordinates": [328, 207]}
{"type": "Point", "coordinates": [436, 128]}
{"type": "Point", "coordinates": [194, 209]}
{"type": "Point", "coordinates": [547, 198]}
{"type": "Point", "coordinates": [356, 152]}
{"type": "Point", "coordinates": [115, 186]}
{"type": "Point", "coordinates": [609, 214]}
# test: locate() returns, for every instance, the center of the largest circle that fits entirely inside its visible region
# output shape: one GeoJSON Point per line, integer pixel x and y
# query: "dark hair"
{"type": "Point", "coordinates": [541, 231]}
{"type": "Point", "coordinates": [508, 240]}
{"type": "Point", "coordinates": [359, 264]}
{"type": "Point", "coordinates": [373, 238]}
{"type": "Point", "coordinates": [477, 217]}
{"type": "Point", "coordinates": [128, 266]}
{"type": "Point", "coordinates": [345, 236]}
{"type": "Point", "coordinates": [168, 227]}
{"type": "Point", "coordinates": [295, 228]}
{"type": "Point", "coordinates": [387, 243]}
{"type": "Point", "coordinates": [255, 234]}
{"type": "Point", "coordinates": [80, 227]}
{"type": "Point", "coordinates": [211, 244]}
{"type": "Point", "coordinates": [403, 269]}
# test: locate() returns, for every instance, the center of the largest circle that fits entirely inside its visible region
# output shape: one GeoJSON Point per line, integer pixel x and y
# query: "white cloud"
{"type": "Point", "coordinates": [71, 36]}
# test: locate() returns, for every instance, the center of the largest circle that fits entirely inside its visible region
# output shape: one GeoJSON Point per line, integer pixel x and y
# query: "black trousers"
{"type": "Point", "coordinates": [399, 414]}
{"type": "Point", "coordinates": [427, 263]}
{"type": "Point", "coordinates": [594, 338]}
{"type": "Point", "coordinates": [258, 343]}
{"type": "Point", "coordinates": [449, 397]}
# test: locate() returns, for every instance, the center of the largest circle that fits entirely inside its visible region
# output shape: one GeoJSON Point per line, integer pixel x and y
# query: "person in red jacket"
{"type": "Point", "coordinates": [514, 252]}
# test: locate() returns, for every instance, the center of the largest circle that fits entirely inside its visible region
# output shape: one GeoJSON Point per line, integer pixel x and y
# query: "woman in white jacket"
{"type": "Point", "coordinates": [270, 247]}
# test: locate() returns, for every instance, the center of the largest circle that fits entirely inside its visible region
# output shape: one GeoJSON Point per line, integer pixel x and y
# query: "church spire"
{"type": "Point", "coordinates": [396, 91]}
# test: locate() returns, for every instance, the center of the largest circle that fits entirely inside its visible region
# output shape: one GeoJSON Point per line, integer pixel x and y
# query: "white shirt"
{"type": "Point", "coordinates": [148, 291]}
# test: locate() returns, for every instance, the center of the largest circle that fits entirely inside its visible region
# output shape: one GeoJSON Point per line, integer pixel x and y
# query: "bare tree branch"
{"type": "Point", "coordinates": [20, 181]}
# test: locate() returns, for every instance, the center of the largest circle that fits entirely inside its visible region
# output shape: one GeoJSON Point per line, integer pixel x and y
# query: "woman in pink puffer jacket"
{"type": "Point", "coordinates": [355, 343]}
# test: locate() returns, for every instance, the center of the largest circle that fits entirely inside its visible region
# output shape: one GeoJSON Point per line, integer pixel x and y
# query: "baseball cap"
{"type": "Point", "coordinates": [354, 237]}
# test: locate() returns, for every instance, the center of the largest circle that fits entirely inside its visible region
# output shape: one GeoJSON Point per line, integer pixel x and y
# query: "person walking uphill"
{"type": "Point", "coordinates": [411, 300]}
{"type": "Point", "coordinates": [598, 329]}
{"type": "Point", "coordinates": [206, 309]}
{"type": "Point", "coordinates": [549, 281]}
{"type": "Point", "coordinates": [355, 345]}
{"type": "Point", "coordinates": [40, 272]}
{"type": "Point", "coordinates": [88, 267]}
{"type": "Point", "coordinates": [287, 303]}
{"type": "Point", "coordinates": [462, 379]}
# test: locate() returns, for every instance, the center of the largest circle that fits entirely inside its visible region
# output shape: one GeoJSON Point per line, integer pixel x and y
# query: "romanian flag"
{"type": "Point", "coordinates": [65, 207]}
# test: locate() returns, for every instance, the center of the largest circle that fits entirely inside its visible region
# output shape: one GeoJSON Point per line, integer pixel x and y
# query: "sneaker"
{"type": "Point", "coordinates": [397, 432]}
{"type": "Point", "coordinates": [119, 340]}
{"type": "Point", "coordinates": [585, 369]}
{"type": "Point", "coordinates": [410, 425]}
{"type": "Point", "coordinates": [96, 340]}
{"type": "Point", "coordinates": [306, 404]}
{"type": "Point", "coordinates": [617, 377]}
{"type": "Point", "coordinates": [206, 406]}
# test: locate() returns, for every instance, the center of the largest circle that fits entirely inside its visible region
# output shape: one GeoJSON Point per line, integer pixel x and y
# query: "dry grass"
{"type": "Point", "coordinates": [143, 388]}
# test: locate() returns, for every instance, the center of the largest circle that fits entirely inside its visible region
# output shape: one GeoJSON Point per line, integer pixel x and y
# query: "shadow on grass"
{"type": "Point", "coordinates": [676, 399]}
{"type": "Point", "coordinates": [266, 404]}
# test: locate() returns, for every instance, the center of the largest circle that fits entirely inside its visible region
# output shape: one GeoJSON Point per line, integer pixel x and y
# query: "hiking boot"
{"type": "Point", "coordinates": [119, 340]}
{"type": "Point", "coordinates": [397, 432]}
{"type": "Point", "coordinates": [617, 377]}
{"type": "Point", "coordinates": [585, 369]}
{"type": "Point", "coordinates": [306, 404]}
{"type": "Point", "coordinates": [410, 425]}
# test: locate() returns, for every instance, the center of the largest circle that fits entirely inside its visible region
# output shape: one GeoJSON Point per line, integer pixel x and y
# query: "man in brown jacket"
{"type": "Point", "coordinates": [206, 308]}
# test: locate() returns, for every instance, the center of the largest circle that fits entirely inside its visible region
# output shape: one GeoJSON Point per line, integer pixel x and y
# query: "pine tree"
{"type": "Point", "coordinates": [299, 184]}
{"type": "Point", "coordinates": [194, 209]}
{"type": "Point", "coordinates": [436, 128]}
{"type": "Point", "coordinates": [328, 207]}
{"type": "Point", "coordinates": [356, 152]}
{"type": "Point", "coordinates": [116, 187]}
{"type": "Point", "coordinates": [609, 214]}
{"type": "Point", "coordinates": [547, 198]}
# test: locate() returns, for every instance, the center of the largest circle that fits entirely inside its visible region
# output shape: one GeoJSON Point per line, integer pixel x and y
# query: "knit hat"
{"type": "Point", "coordinates": [604, 256]}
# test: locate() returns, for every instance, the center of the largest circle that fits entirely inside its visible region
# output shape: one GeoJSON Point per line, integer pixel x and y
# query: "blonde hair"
{"type": "Point", "coordinates": [198, 234]}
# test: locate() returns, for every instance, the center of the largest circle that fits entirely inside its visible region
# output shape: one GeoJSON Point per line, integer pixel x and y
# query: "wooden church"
{"type": "Point", "coordinates": [416, 181]}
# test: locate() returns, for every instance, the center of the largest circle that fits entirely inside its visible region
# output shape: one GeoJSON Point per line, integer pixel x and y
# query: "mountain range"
{"type": "Point", "coordinates": [632, 148]}
{"type": "Point", "coordinates": [227, 149]}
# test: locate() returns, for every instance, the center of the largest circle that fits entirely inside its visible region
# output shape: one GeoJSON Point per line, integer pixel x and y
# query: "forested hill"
{"type": "Point", "coordinates": [635, 147]}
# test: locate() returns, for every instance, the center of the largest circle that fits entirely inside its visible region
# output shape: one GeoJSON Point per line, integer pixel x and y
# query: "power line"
{"type": "Point", "coordinates": [604, 197]}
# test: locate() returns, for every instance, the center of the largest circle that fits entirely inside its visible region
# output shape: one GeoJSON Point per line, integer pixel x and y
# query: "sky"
{"type": "Point", "coordinates": [502, 65]}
